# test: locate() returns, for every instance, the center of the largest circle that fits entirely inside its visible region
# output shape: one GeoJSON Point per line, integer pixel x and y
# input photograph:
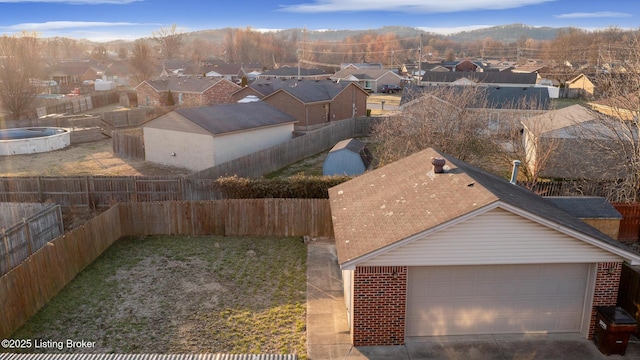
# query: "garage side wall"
{"type": "Point", "coordinates": [606, 289]}
{"type": "Point", "coordinates": [379, 301]}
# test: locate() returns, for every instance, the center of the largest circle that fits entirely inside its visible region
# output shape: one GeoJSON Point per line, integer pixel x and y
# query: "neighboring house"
{"type": "Point", "coordinates": [118, 71]}
{"type": "Point", "coordinates": [574, 143]}
{"type": "Point", "coordinates": [463, 66]}
{"type": "Point", "coordinates": [231, 72]}
{"type": "Point", "coordinates": [73, 73]}
{"type": "Point", "coordinates": [502, 107]}
{"type": "Point", "coordinates": [347, 157]}
{"type": "Point", "coordinates": [361, 66]}
{"type": "Point", "coordinates": [290, 72]}
{"type": "Point", "coordinates": [187, 91]}
{"type": "Point", "coordinates": [581, 85]}
{"type": "Point", "coordinates": [312, 102]}
{"type": "Point", "coordinates": [199, 138]}
{"type": "Point", "coordinates": [493, 78]}
{"type": "Point", "coordinates": [465, 252]}
{"type": "Point", "coordinates": [369, 79]}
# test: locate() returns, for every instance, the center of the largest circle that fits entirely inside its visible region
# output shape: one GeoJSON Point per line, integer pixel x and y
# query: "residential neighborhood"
{"type": "Point", "coordinates": [431, 200]}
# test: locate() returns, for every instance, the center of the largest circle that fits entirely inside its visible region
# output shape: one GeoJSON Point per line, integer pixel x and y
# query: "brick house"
{"type": "Point", "coordinates": [312, 102]}
{"type": "Point", "coordinates": [464, 252]}
{"type": "Point", "coordinates": [187, 91]}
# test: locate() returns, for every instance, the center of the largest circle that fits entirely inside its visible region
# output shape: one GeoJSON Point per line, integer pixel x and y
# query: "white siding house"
{"type": "Point", "coordinates": [464, 252]}
{"type": "Point", "coordinates": [200, 138]}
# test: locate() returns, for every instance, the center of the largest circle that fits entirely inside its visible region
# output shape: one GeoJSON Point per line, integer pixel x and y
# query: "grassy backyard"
{"type": "Point", "coordinates": [168, 294]}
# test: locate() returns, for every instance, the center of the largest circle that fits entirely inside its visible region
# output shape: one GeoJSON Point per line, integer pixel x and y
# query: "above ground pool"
{"type": "Point", "coordinates": [32, 140]}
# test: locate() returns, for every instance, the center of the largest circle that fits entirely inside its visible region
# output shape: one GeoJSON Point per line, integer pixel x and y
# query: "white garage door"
{"type": "Point", "coordinates": [495, 299]}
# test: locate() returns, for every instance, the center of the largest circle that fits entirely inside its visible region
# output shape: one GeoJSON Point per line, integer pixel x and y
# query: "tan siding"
{"type": "Point", "coordinates": [496, 237]}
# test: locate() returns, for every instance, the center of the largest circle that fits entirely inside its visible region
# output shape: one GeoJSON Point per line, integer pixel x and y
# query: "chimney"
{"type": "Point", "coordinates": [438, 164]}
{"type": "Point", "coordinates": [514, 173]}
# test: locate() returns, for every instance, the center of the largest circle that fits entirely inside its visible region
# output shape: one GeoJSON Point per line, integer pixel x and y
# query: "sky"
{"type": "Point", "coordinates": [105, 20]}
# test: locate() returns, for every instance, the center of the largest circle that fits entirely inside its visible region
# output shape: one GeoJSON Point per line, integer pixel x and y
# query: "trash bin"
{"type": "Point", "coordinates": [613, 327]}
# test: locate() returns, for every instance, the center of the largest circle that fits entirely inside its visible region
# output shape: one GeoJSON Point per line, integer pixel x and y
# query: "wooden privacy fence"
{"type": "Point", "coordinates": [104, 191]}
{"type": "Point", "coordinates": [279, 156]}
{"type": "Point", "coordinates": [26, 236]}
{"type": "Point", "coordinates": [30, 285]}
{"type": "Point", "coordinates": [128, 143]}
{"type": "Point", "coordinates": [629, 294]}
{"type": "Point", "coordinates": [630, 223]}
{"type": "Point", "coordinates": [236, 217]}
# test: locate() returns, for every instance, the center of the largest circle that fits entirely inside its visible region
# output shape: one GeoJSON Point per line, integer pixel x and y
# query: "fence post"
{"type": "Point", "coordinates": [40, 195]}
{"type": "Point", "coordinates": [86, 184]}
{"type": "Point", "coordinates": [28, 236]}
{"type": "Point", "coordinates": [7, 255]}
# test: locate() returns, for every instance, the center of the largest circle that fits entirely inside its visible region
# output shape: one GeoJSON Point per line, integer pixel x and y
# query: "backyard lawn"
{"type": "Point", "coordinates": [169, 294]}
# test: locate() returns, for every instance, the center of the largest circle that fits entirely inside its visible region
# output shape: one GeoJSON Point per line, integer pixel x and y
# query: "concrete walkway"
{"type": "Point", "coordinates": [328, 331]}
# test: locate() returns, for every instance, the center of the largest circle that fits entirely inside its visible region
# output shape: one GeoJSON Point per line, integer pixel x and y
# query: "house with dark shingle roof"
{"type": "Point", "coordinates": [187, 91]}
{"type": "Point", "coordinates": [291, 72]}
{"type": "Point", "coordinates": [202, 137]}
{"type": "Point", "coordinates": [493, 78]}
{"type": "Point", "coordinates": [312, 102]}
{"type": "Point", "coordinates": [369, 79]}
{"type": "Point", "coordinates": [432, 246]}
{"type": "Point", "coordinates": [501, 107]}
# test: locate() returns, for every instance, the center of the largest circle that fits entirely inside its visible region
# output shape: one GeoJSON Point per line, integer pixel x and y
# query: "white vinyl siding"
{"type": "Point", "coordinates": [496, 299]}
{"type": "Point", "coordinates": [494, 237]}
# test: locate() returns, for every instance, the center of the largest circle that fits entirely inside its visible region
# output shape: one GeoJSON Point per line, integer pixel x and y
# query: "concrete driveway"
{"type": "Point", "coordinates": [328, 331]}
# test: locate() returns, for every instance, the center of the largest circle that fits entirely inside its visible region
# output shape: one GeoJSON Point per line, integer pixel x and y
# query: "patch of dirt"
{"type": "Point", "coordinates": [92, 158]}
{"type": "Point", "coordinates": [177, 301]}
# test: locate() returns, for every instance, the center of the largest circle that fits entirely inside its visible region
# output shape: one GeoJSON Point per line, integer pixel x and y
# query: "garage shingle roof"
{"type": "Point", "coordinates": [404, 198]}
{"type": "Point", "coordinates": [225, 118]}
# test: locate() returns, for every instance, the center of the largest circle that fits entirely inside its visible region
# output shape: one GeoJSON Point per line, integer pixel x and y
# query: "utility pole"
{"type": "Point", "coordinates": [419, 62]}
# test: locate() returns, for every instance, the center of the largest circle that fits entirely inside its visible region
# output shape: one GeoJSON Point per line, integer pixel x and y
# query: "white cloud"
{"type": "Point", "coordinates": [413, 6]}
{"type": "Point", "coordinates": [601, 14]}
{"type": "Point", "coordinates": [61, 25]}
{"type": "Point", "coordinates": [74, 2]}
{"type": "Point", "coordinates": [453, 30]}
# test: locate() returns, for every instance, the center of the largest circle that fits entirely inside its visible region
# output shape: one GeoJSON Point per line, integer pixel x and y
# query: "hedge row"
{"type": "Point", "coordinates": [297, 186]}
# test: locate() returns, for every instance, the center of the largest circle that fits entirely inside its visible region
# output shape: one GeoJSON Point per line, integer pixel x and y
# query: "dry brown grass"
{"type": "Point", "coordinates": [92, 158]}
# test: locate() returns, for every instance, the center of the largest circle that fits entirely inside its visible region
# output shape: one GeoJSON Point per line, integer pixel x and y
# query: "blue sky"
{"type": "Point", "coordinates": [103, 20]}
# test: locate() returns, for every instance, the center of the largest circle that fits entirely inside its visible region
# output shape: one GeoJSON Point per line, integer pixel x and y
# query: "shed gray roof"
{"type": "Point", "coordinates": [415, 200]}
{"type": "Point", "coordinates": [225, 118]}
{"type": "Point", "coordinates": [586, 207]}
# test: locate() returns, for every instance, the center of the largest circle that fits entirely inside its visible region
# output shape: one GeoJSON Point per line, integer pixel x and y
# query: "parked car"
{"type": "Point", "coordinates": [390, 89]}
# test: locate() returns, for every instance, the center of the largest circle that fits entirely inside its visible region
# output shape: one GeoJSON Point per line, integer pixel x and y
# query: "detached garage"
{"type": "Point", "coordinates": [463, 252]}
{"type": "Point", "coordinates": [202, 137]}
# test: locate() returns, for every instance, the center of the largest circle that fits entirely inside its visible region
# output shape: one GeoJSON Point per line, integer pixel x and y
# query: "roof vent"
{"type": "Point", "coordinates": [438, 165]}
{"type": "Point", "coordinates": [514, 172]}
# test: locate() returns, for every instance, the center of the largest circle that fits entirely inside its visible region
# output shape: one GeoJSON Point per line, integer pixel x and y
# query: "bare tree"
{"type": "Point", "coordinates": [20, 63]}
{"type": "Point", "coordinates": [523, 137]}
{"type": "Point", "coordinates": [440, 118]}
{"type": "Point", "coordinates": [169, 40]}
{"type": "Point", "coordinates": [619, 123]}
{"type": "Point", "coordinates": [142, 60]}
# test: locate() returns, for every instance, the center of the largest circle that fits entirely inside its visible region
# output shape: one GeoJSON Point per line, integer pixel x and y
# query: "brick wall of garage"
{"type": "Point", "coordinates": [379, 300]}
{"type": "Point", "coordinates": [342, 105]}
{"type": "Point", "coordinates": [148, 96]}
{"type": "Point", "coordinates": [220, 93]}
{"type": "Point", "coordinates": [606, 289]}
